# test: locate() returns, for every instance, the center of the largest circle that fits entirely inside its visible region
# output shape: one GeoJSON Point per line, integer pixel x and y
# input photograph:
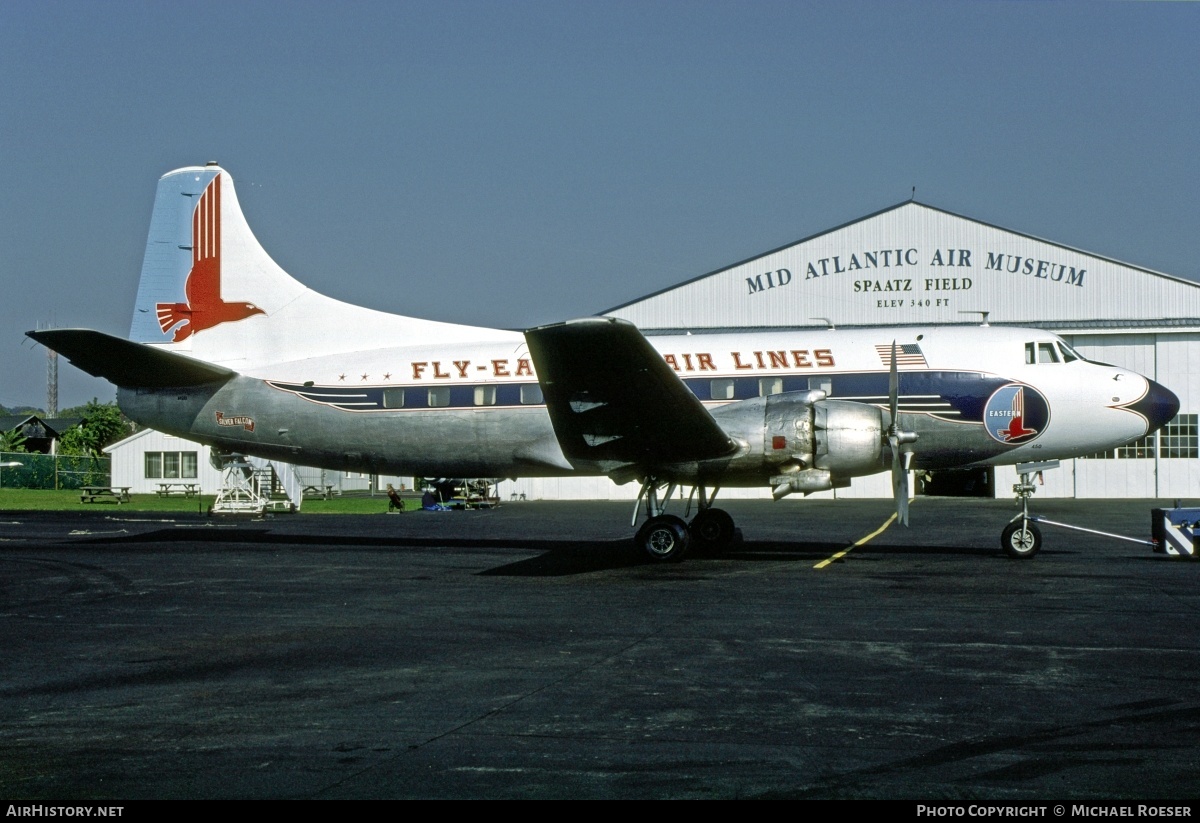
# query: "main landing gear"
{"type": "Point", "coordinates": [666, 538]}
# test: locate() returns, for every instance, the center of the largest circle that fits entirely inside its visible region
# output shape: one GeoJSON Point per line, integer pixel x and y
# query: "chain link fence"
{"type": "Point", "coordinates": [52, 471]}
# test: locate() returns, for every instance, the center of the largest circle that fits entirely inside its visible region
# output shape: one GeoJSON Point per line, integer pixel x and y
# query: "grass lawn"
{"type": "Point", "coordinates": [49, 500]}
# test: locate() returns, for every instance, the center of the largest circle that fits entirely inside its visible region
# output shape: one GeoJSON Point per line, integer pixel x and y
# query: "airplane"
{"type": "Point", "coordinates": [226, 348]}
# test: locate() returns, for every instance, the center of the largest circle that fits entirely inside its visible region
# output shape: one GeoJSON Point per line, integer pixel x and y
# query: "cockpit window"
{"type": "Point", "coordinates": [1048, 352]}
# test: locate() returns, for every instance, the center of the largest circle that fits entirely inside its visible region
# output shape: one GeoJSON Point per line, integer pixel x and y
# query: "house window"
{"type": "Point", "coordinates": [172, 465]}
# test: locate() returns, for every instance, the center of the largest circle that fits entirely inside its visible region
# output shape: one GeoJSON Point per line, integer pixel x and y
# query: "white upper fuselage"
{"type": "Point", "coordinates": [1087, 402]}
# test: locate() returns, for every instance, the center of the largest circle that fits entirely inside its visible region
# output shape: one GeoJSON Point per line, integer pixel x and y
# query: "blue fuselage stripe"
{"type": "Point", "coordinates": [957, 395]}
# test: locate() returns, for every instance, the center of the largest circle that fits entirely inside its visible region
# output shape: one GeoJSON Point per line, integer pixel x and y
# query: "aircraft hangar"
{"type": "Point", "coordinates": [914, 264]}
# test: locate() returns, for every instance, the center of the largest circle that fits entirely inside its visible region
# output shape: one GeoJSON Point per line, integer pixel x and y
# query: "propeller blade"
{"type": "Point", "coordinates": [894, 438]}
{"type": "Point", "coordinates": [893, 390]}
{"type": "Point", "coordinates": [899, 480]}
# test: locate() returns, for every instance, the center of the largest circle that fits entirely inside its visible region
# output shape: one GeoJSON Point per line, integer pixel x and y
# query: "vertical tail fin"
{"type": "Point", "coordinates": [210, 289]}
{"type": "Point", "coordinates": [186, 287]}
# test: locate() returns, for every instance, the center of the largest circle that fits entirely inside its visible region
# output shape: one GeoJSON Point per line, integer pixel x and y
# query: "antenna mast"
{"type": "Point", "coordinates": [51, 377]}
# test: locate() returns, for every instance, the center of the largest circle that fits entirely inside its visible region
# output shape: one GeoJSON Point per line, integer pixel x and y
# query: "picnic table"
{"type": "Point", "coordinates": [185, 489]}
{"type": "Point", "coordinates": [323, 492]}
{"type": "Point", "coordinates": [104, 494]}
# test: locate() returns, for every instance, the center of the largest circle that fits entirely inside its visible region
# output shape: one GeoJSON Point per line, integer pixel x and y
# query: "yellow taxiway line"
{"type": "Point", "coordinates": [852, 546]}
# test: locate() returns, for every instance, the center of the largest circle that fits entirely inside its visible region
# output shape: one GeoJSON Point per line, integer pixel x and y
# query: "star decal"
{"type": "Point", "coordinates": [387, 375]}
{"type": "Point", "coordinates": [364, 377]}
{"type": "Point", "coordinates": [341, 377]}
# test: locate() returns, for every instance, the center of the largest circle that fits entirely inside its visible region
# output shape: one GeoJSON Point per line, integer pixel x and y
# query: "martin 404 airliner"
{"type": "Point", "coordinates": [227, 349]}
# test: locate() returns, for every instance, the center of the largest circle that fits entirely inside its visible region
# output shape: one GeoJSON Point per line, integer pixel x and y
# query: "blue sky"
{"type": "Point", "coordinates": [517, 163]}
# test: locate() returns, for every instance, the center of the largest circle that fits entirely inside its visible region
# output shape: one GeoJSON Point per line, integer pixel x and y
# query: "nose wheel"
{"type": "Point", "coordinates": [1021, 539]}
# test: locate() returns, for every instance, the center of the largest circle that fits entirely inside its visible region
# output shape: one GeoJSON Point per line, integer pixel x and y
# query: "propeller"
{"type": "Point", "coordinates": [901, 460]}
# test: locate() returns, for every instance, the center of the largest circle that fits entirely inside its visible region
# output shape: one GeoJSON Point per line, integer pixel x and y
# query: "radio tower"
{"type": "Point", "coordinates": [51, 379]}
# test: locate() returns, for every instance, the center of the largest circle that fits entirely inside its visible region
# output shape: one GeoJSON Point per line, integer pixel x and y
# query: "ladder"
{"type": "Point", "coordinates": [250, 485]}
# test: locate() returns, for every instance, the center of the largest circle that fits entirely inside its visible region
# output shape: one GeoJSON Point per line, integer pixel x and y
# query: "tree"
{"type": "Point", "coordinates": [12, 441]}
{"type": "Point", "coordinates": [20, 410]}
{"type": "Point", "coordinates": [102, 424]}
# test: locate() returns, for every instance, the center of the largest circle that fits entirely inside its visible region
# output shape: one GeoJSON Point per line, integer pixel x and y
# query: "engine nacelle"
{"type": "Point", "coordinates": [809, 443]}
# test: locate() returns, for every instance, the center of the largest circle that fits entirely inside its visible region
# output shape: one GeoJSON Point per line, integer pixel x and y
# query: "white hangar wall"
{"type": "Point", "coordinates": [913, 264]}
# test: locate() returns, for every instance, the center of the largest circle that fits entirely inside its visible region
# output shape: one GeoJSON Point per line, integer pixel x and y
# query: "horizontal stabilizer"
{"type": "Point", "coordinates": [614, 400]}
{"type": "Point", "coordinates": [127, 364]}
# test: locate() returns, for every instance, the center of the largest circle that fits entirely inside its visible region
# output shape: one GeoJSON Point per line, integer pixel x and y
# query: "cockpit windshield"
{"type": "Point", "coordinates": [1043, 351]}
{"type": "Point", "coordinates": [1068, 354]}
{"type": "Point", "coordinates": [1051, 351]}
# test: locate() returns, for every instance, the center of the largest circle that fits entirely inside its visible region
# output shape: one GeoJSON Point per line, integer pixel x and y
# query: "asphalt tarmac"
{"type": "Point", "coordinates": [530, 652]}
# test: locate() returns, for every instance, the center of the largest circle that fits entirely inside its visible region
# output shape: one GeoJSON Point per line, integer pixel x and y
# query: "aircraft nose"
{"type": "Point", "coordinates": [1159, 405]}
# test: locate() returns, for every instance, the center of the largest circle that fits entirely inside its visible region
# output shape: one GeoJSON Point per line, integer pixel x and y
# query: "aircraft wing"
{"type": "Point", "coordinates": [614, 401]}
{"type": "Point", "coordinates": [128, 364]}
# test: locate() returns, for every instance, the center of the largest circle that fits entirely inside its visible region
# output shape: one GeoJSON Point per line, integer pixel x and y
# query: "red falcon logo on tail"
{"type": "Point", "coordinates": [204, 307]}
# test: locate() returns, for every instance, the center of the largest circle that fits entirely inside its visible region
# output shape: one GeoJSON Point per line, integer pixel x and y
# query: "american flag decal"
{"type": "Point", "coordinates": [907, 354]}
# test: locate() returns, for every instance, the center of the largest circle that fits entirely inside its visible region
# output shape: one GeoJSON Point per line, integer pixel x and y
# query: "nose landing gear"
{"type": "Point", "coordinates": [1021, 538]}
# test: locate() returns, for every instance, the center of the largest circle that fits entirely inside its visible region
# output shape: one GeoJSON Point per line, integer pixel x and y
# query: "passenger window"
{"type": "Point", "coordinates": [721, 389]}
{"type": "Point", "coordinates": [485, 395]}
{"type": "Point", "coordinates": [531, 394]}
{"type": "Point", "coordinates": [1029, 355]}
{"type": "Point", "coordinates": [1047, 353]}
{"type": "Point", "coordinates": [770, 385]}
{"type": "Point", "coordinates": [393, 398]}
{"type": "Point", "coordinates": [439, 397]}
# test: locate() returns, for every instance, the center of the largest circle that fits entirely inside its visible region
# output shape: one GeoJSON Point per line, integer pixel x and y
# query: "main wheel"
{"type": "Point", "coordinates": [712, 529]}
{"type": "Point", "coordinates": [664, 539]}
{"type": "Point", "coordinates": [1021, 539]}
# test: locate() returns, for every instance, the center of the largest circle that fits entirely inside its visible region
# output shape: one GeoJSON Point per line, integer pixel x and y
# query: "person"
{"type": "Point", "coordinates": [394, 497]}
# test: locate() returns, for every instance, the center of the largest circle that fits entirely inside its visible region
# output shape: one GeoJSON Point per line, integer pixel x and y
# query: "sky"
{"type": "Point", "coordinates": [516, 163]}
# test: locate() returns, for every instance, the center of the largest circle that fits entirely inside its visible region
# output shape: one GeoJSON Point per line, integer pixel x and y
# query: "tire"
{"type": "Point", "coordinates": [712, 529]}
{"type": "Point", "coordinates": [1021, 541]}
{"type": "Point", "coordinates": [664, 539]}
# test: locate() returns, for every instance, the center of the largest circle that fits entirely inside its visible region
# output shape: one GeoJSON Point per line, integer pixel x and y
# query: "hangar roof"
{"type": "Point", "coordinates": [916, 264]}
